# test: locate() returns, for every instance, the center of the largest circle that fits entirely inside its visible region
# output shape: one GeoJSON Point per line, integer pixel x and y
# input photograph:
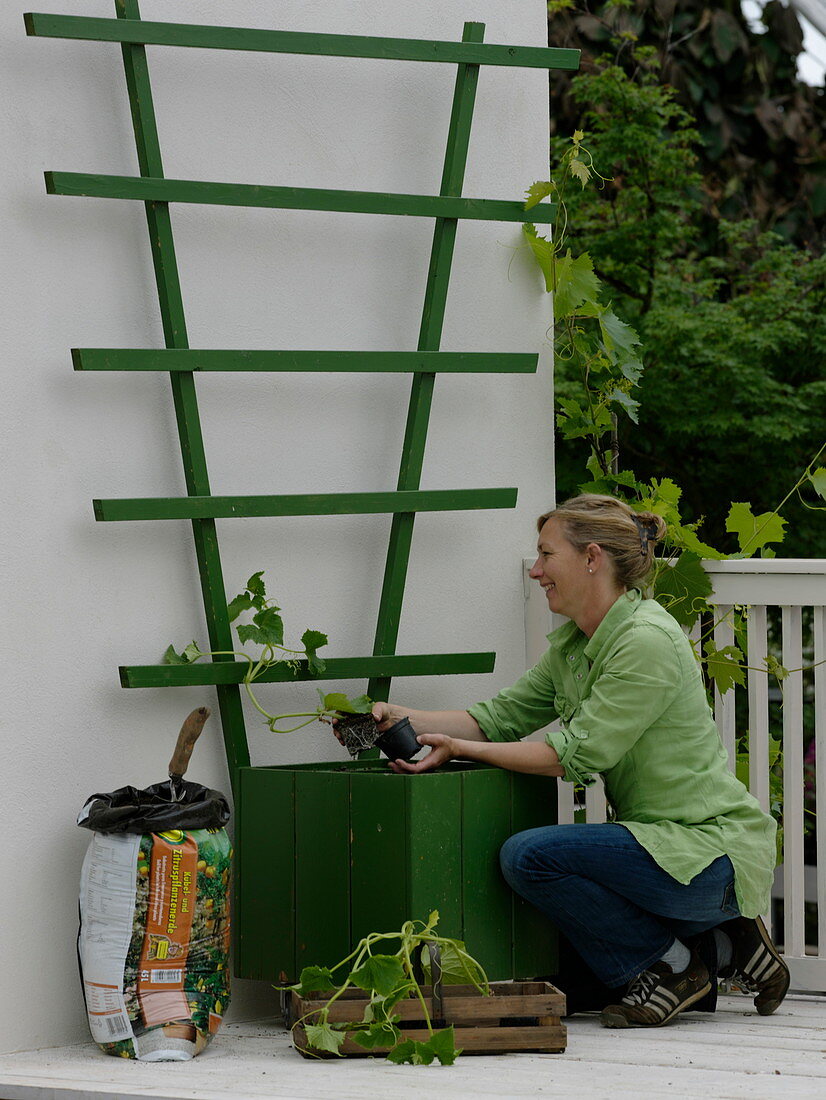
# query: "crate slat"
{"type": "Point", "coordinates": [537, 1006]}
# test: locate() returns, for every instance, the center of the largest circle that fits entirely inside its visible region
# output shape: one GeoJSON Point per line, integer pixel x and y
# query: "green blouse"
{"type": "Point", "coordinates": [633, 708]}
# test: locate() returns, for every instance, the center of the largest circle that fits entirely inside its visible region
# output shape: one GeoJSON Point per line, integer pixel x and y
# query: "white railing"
{"type": "Point", "coordinates": [757, 584]}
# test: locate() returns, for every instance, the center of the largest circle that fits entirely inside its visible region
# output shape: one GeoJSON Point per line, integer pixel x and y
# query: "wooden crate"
{"type": "Point", "coordinates": [519, 1016]}
{"type": "Point", "coordinates": [328, 853]}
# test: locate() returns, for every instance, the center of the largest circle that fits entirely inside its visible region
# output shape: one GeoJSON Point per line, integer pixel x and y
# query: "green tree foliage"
{"type": "Point", "coordinates": [762, 149]}
{"type": "Point", "coordinates": [733, 398]}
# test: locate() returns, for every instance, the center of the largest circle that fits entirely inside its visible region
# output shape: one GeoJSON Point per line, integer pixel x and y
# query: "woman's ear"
{"type": "Point", "coordinates": [594, 557]}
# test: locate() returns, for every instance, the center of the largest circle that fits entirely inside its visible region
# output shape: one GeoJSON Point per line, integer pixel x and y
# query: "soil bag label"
{"type": "Point", "coordinates": [154, 941]}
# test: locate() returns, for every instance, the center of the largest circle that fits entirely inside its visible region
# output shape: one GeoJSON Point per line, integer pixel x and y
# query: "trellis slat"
{"type": "Point", "coordinates": [337, 668]}
{"type": "Point", "coordinates": [213, 359]}
{"type": "Point", "coordinates": [210, 193]}
{"type": "Point", "coordinates": [301, 504]}
{"type": "Point", "coordinates": [170, 300]}
{"type": "Point", "coordinates": [198, 36]}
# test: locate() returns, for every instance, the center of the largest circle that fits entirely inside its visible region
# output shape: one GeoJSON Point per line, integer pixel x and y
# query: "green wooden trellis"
{"type": "Point", "coordinates": [182, 363]}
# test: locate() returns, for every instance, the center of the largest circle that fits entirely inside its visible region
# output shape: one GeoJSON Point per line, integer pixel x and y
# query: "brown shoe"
{"type": "Point", "coordinates": [658, 995]}
{"type": "Point", "coordinates": [755, 963]}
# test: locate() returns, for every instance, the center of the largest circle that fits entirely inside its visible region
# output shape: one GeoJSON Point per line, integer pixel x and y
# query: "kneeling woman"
{"type": "Point", "coordinates": [689, 849]}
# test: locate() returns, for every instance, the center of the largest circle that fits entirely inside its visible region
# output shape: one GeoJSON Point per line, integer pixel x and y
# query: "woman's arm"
{"type": "Point", "coordinates": [450, 723]}
{"type": "Point", "coordinates": [532, 757]}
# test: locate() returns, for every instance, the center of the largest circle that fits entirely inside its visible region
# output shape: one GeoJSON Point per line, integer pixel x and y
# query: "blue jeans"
{"type": "Point", "coordinates": [617, 906]}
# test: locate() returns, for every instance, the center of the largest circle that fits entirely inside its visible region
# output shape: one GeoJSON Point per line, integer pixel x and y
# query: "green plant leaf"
{"type": "Point", "coordinates": [312, 640]}
{"type": "Point", "coordinates": [185, 657]}
{"type": "Point", "coordinates": [724, 666]}
{"type": "Point", "coordinates": [267, 628]}
{"type": "Point", "coordinates": [576, 284]}
{"type": "Point", "coordinates": [384, 973]}
{"type": "Point", "coordinates": [379, 1034]}
{"type": "Point", "coordinates": [620, 341]}
{"type": "Point", "coordinates": [754, 532]}
{"type": "Point", "coordinates": [818, 480]}
{"type": "Point", "coordinates": [314, 979]}
{"type": "Point", "coordinates": [441, 1045]}
{"type": "Point", "coordinates": [775, 668]}
{"type": "Point", "coordinates": [543, 252]}
{"type": "Point", "coordinates": [250, 633]}
{"type": "Point", "coordinates": [338, 701]}
{"type": "Point", "coordinates": [323, 1037]}
{"type": "Point", "coordinates": [458, 968]}
{"type": "Point", "coordinates": [239, 604]}
{"type": "Point", "coordinates": [537, 192]}
{"type": "Point", "coordinates": [682, 588]}
{"type": "Point", "coordinates": [171, 657]}
{"type": "Point", "coordinates": [580, 170]}
{"type": "Point", "coordinates": [255, 586]}
{"type": "Point", "coordinates": [627, 401]}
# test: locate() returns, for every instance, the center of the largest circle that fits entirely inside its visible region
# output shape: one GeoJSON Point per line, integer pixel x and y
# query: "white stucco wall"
{"type": "Point", "coordinates": [79, 598]}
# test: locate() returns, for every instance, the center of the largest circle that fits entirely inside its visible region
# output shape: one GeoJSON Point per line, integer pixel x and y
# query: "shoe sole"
{"type": "Point", "coordinates": [617, 1019]}
{"type": "Point", "coordinates": [768, 1007]}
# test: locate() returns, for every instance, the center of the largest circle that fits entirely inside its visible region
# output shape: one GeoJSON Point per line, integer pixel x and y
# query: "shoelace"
{"type": "Point", "coordinates": [748, 985]}
{"type": "Point", "coordinates": [638, 993]}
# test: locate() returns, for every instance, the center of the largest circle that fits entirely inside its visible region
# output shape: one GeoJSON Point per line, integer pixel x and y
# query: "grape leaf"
{"type": "Point", "coordinates": [754, 532]}
{"type": "Point", "coordinates": [543, 252]}
{"type": "Point", "coordinates": [580, 170]}
{"type": "Point", "coordinates": [775, 668]}
{"type": "Point", "coordinates": [620, 340]}
{"type": "Point", "coordinates": [537, 192]}
{"type": "Point", "coordinates": [724, 666]}
{"type": "Point", "coordinates": [314, 979]}
{"type": "Point", "coordinates": [682, 588]}
{"type": "Point", "coordinates": [323, 1037]}
{"type": "Point", "coordinates": [384, 973]}
{"type": "Point", "coordinates": [818, 480]}
{"type": "Point", "coordinates": [576, 284]}
{"type": "Point", "coordinates": [627, 401]}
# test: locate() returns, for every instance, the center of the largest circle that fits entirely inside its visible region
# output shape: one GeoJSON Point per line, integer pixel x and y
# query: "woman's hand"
{"type": "Point", "coordinates": [442, 749]}
{"type": "Point", "coordinates": [384, 715]}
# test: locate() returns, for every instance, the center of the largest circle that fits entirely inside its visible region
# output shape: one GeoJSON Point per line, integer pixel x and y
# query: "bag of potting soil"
{"type": "Point", "coordinates": [154, 932]}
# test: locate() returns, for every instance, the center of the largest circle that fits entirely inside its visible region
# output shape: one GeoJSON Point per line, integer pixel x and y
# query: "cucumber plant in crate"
{"type": "Point", "coordinates": [385, 979]}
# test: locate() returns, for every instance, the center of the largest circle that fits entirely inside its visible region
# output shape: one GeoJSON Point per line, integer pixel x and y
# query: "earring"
{"type": "Point", "coordinates": [590, 570]}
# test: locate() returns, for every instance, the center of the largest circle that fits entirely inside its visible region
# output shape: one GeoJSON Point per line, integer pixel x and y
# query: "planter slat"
{"type": "Point", "coordinates": [389, 848]}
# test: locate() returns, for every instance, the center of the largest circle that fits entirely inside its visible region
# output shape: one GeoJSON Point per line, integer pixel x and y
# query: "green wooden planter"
{"type": "Point", "coordinates": [330, 852]}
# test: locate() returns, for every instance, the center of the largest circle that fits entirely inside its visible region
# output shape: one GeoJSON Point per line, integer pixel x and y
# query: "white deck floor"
{"type": "Point", "coordinates": [735, 1053]}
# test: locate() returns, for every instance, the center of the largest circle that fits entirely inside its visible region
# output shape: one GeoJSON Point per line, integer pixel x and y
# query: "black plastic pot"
{"type": "Point", "coordinates": [399, 742]}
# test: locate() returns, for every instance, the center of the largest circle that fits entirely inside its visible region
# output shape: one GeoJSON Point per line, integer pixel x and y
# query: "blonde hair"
{"type": "Point", "coordinates": [627, 536]}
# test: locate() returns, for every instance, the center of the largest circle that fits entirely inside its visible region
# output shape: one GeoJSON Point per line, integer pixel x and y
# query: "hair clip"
{"type": "Point", "coordinates": [647, 532]}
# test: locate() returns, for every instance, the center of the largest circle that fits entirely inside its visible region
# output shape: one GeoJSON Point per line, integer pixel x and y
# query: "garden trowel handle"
{"type": "Point", "coordinates": [190, 732]}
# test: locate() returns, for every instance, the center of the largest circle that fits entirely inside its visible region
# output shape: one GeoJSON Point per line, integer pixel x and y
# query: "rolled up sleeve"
{"type": "Point", "coordinates": [519, 710]}
{"type": "Point", "coordinates": [636, 684]}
